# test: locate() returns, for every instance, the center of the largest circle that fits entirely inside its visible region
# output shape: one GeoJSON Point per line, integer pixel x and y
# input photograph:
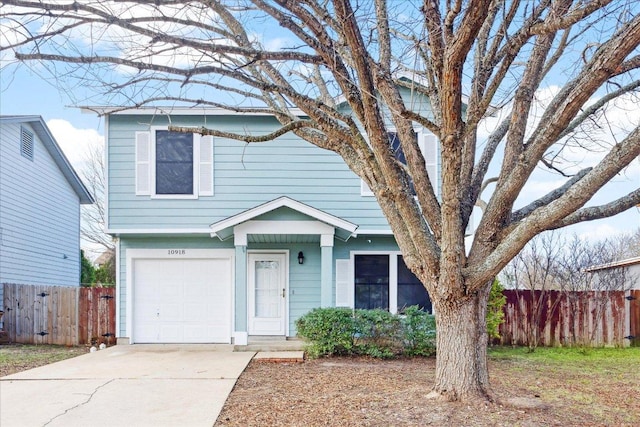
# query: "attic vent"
{"type": "Point", "coordinates": [26, 143]}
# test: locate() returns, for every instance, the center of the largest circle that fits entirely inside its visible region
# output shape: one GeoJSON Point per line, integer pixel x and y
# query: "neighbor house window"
{"type": "Point", "coordinates": [173, 164]}
{"type": "Point", "coordinates": [26, 143]}
{"type": "Point", "coordinates": [384, 281]}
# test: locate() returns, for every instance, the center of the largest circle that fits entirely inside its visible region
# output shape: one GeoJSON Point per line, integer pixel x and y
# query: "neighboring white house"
{"type": "Point", "coordinates": [631, 268]}
{"type": "Point", "coordinates": [40, 198]}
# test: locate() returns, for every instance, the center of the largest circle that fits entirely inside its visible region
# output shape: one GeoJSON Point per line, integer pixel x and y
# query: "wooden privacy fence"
{"type": "Point", "coordinates": [557, 318]}
{"type": "Point", "coordinates": [61, 315]}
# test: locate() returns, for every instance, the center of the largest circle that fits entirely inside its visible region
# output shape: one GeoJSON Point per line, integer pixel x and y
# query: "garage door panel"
{"type": "Point", "coordinates": [170, 290]}
{"type": "Point", "coordinates": [171, 312]}
{"type": "Point", "coordinates": [194, 312]}
{"type": "Point", "coordinates": [182, 300]}
{"type": "Point", "coordinates": [198, 291]}
{"type": "Point", "coordinates": [198, 333]}
{"type": "Point", "coordinates": [148, 333]}
{"type": "Point", "coordinates": [171, 333]}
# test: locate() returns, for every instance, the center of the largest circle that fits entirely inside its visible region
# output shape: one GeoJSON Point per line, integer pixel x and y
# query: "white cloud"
{"type": "Point", "coordinates": [623, 223]}
{"type": "Point", "coordinates": [75, 143]}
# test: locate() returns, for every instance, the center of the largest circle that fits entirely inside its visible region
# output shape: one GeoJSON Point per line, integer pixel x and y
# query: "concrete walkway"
{"type": "Point", "coordinates": [136, 385]}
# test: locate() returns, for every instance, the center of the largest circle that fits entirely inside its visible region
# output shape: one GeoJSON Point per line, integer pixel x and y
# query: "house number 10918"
{"type": "Point", "coordinates": [177, 251]}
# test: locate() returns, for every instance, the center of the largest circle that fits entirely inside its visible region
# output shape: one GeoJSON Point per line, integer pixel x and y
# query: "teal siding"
{"type": "Point", "coordinates": [244, 176]}
{"type": "Point", "coordinates": [304, 283]}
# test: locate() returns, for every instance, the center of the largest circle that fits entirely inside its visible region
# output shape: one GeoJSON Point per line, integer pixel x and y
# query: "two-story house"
{"type": "Point", "coordinates": [219, 241]}
{"type": "Point", "coordinates": [40, 198]}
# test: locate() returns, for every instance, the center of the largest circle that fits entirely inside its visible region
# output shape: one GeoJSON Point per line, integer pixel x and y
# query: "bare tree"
{"type": "Point", "coordinates": [502, 55]}
{"type": "Point", "coordinates": [584, 288]}
{"type": "Point", "coordinates": [93, 217]}
{"type": "Point", "coordinates": [533, 273]}
{"type": "Point", "coordinates": [554, 272]}
{"type": "Point", "coordinates": [628, 245]}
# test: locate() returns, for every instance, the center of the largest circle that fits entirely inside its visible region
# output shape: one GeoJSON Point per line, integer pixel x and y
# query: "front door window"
{"type": "Point", "coordinates": [268, 292]}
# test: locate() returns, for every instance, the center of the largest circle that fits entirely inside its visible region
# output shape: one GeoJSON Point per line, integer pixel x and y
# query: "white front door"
{"type": "Point", "coordinates": [267, 293]}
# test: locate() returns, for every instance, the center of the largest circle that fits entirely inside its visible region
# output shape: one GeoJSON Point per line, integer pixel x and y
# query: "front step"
{"type": "Point", "coordinates": [276, 344]}
{"type": "Point", "coordinates": [279, 356]}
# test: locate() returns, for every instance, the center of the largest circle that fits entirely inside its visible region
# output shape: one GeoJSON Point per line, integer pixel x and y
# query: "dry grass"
{"type": "Point", "coordinates": [20, 357]}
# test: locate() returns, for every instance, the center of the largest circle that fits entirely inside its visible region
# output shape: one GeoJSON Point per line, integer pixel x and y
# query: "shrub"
{"type": "Point", "coordinates": [375, 333]}
{"type": "Point", "coordinates": [379, 333]}
{"type": "Point", "coordinates": [419, 332]}
{"type": "Point", "coordinates": [495, 313]}
{"type": "Point", "coordinates": [328, 331]}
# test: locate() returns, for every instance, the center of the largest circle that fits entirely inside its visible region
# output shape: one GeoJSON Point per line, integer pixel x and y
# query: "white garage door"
{"type": "Point", "coordinates": [182, 300]}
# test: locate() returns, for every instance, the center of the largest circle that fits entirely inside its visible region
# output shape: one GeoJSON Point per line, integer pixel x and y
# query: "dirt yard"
{"type": "Point", "coordinates": [364, 392]}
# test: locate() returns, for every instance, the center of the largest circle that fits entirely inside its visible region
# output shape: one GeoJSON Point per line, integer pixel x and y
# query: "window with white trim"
{"type": "Point", "coordinates": [173, 164]}
{"type": "Point", "coordinates": [428, 144]}
{"type": "Point", "coordinates": [371, 281]}
{"type": "Point", "coordinates": [379, 280]}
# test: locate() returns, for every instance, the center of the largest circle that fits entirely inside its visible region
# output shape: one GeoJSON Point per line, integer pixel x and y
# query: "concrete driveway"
{"type": "Point", "coordinates": [131, 385]}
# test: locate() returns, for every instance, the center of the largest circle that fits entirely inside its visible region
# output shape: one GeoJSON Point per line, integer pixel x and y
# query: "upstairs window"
{"type": "Point", "coordinates": [26, 143]}
{"type": "Point", "coordinates": [428, 144]}
{"type": "Point", "coordinates": [173, 165]}
{"type": "Point", "coordinates": [394, 142]}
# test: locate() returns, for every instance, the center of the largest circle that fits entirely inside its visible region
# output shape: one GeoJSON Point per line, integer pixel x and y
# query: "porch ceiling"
{"type": "Point", "coordinates": [283, 238]}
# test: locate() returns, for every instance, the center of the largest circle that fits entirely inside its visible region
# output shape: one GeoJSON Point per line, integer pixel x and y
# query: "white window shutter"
{"type": "Point", "coordinates": [364, 189]}
{"type": "Point", "coordinates": [469, 230]}
{"type": "Point", "coordinates": [429, 147]}
{"type": "Point", "coordinates": [205, 179]}
{"type": "Point", "coordinates": [143, 163]}
{"type": "Point", "coordinates": [344, 288]}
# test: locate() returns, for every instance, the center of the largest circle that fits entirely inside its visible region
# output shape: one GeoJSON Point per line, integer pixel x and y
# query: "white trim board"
{"type": "Point", "coordinates": [276, 204]}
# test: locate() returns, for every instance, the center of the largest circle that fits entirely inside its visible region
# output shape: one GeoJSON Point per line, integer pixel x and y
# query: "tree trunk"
{"type": "Point", "coordinates": [461, 364]}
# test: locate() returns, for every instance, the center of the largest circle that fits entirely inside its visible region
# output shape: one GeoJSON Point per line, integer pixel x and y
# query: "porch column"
{"type": "Point", "coordinates": [326, 270]}
{"type": "Point", "coordinates": [240, 334]}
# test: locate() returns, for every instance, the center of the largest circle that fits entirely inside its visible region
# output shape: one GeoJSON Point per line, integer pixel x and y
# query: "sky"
{"type": "Point", "coordinates": [26, 91]}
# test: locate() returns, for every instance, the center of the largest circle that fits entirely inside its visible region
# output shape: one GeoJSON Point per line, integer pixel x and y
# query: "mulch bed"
{"type": "Point", "coordinates": [367, 392]}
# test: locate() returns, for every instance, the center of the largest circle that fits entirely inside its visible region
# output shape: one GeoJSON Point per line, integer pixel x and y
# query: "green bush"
{"type": "Point", "coordinates": [419, 332]}
{"type": "Point", "coordinates": [495, 313]}
{"type": "Point", "coordinates": [379, 333]}
{"type": "Point", "coordinates": [375, 333]}
{"type": "Point", "coordinates": [328, 331]}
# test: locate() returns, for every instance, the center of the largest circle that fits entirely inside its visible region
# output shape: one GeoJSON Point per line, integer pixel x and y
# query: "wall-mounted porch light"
{"type": "Point", "coordinates": [300, 258]}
